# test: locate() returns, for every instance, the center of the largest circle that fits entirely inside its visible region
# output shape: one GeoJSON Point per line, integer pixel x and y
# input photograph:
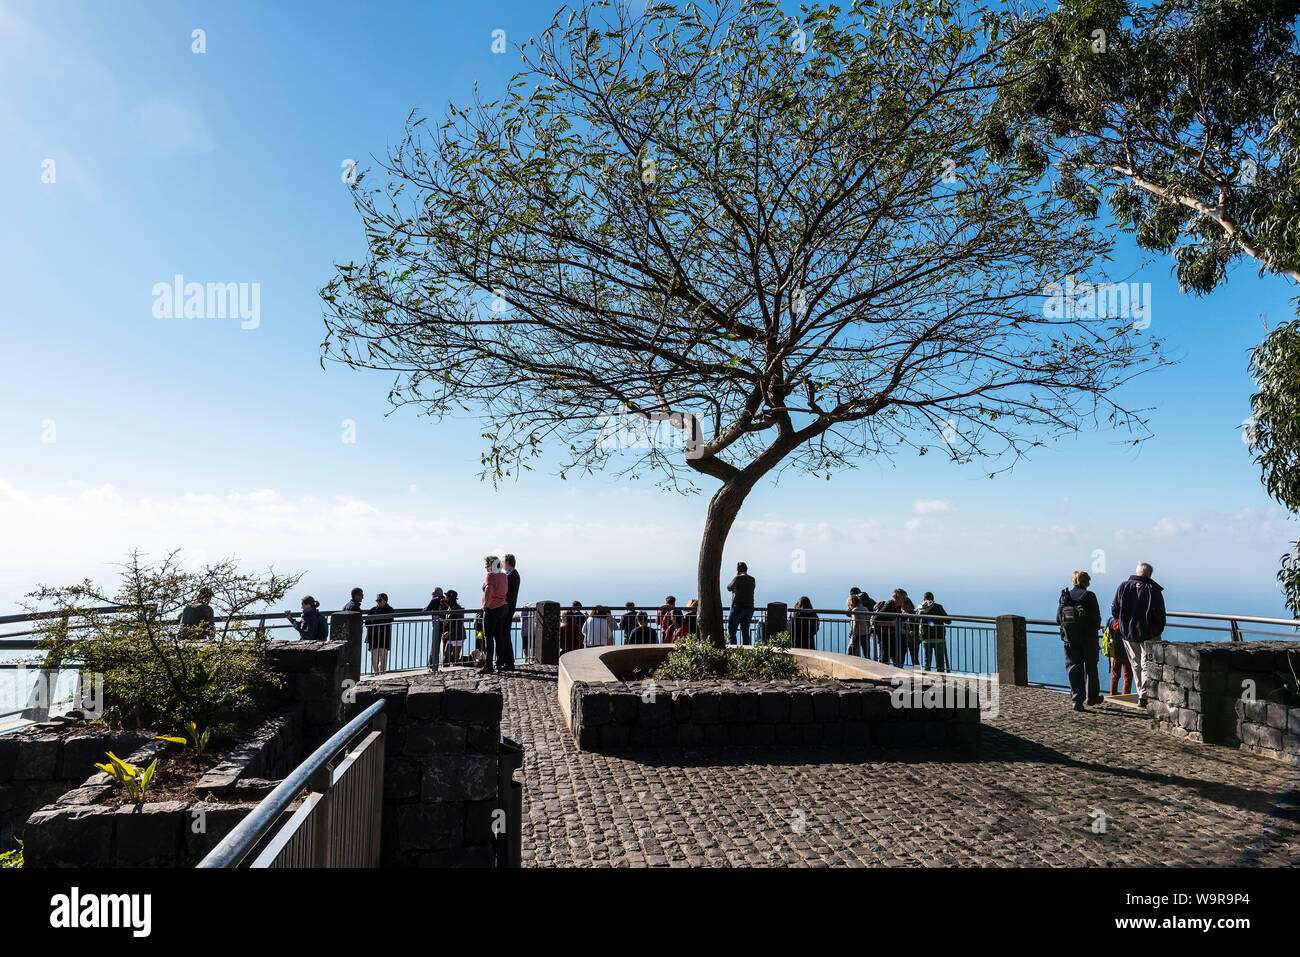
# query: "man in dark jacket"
{"type": "Point", "coordinates": [1139, 607]}
{"type": "Point", "coordinates": [355, 603]}
{"type": "Point", "coordinates": [742, 603]}
{"type": "Point", "coordinates": [512, 600]}
{"type": "Point", "coordinates": [1079, 616]}
{"type": "Point", "coordinates": [379, 633]}
{"type": "Point", "coordinates": [934, 635]}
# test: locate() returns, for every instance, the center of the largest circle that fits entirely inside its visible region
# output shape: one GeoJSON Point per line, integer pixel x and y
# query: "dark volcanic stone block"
{"type": "Point", "coordinates": [151, 835]}
{"type": "Point", "coordinates": [466, 777]}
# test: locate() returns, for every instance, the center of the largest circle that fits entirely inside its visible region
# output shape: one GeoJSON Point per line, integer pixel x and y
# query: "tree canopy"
{"type": "Point", "coordinates": [781, 236]}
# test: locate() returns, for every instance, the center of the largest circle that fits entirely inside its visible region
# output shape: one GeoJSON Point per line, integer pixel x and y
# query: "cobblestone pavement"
{"type": "Point", "coordinates": [1032, 800]}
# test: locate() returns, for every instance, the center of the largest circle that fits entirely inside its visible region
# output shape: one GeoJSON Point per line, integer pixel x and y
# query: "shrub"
{"type": "Point", "coordinates": [155, 671]}
{"type": "Point", "coordinates": [696, 659]}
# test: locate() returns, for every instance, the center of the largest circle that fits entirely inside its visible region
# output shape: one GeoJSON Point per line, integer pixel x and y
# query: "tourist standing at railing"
{"type": "Point", "coordinates": [690, 620]}
{"type": "Point", "coordinates": [435, 608]}
{"type": "Point", "coordinates": [496, 618]}
{"type": "Point", "coordinates": [598, 629]}
{"type": "Point", "coordinates": [669, 619]}
{"type": "Point", "coordinates": [355, 603]}
{"type": "Point", "coordinates": [860, 628]}
{"type": "Point", "coordinates": [642, 633]}
{"type": "Point", "coordinates": [197, 621]}
{"type": "Point", "coordinates": [512, 593]}
{"type": "Point", "coordinates": [885, 625]}
{"type": "Point", "coordinates": [312, 627]}
{"type": "Point", "coordinates": [1139, 607]}
{"type": "Point", "coordinates": [571, 628]}
{"type": "Point", "coordinates": [909, 637]}
{"type": "Point", "coordinates": [742, 603]}
{"type": "Point", "coordinates": [1112, 646]}
{"type": "Point", "coordinates": [804, 624]}
{"type": "Point", "coordinates": [1079, 616]}
{"type": "Point", "coordinates": [453, 627]}
{"type": "Point", "coordinates": [627, 621]}
{"type": "Point", "coordinates": [379, 633]}
{"type": "Point", "coordinates": [934, 637]}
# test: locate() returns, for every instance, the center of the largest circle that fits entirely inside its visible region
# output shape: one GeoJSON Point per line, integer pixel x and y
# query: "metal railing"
{"type": "Point", "coordinates": [337, 823]}
{"type": "Point", "coordinates": [967, 644]}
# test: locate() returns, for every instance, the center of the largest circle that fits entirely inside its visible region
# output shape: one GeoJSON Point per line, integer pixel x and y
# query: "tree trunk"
{"type": "Point", "coordinates": [723, 509]}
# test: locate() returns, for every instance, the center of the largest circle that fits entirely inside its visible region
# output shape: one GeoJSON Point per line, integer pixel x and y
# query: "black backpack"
{"type": "Point", "coordinates": [1074, 619]}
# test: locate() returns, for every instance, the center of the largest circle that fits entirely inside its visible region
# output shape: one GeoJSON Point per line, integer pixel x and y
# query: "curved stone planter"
{"type": "Point", "coordinates": [853, 701]}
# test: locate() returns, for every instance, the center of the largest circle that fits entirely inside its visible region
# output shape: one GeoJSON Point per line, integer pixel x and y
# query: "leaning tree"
{"type": "Point", "coordinates": [768, 243]}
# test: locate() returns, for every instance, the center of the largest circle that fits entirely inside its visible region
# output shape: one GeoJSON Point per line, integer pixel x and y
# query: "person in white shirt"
{"type": "Point", "coordinates": [598, 629]}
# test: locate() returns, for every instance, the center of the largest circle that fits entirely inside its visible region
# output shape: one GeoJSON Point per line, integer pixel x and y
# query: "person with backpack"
{"type": "Point", "coordinates": [1138, 611]}
{"type": "Point", "coordinates": [1112, 646]}
{"type": "Point", "coordinates": [313, 627]}
{"type": "Point", "coordinates": [933, 634]}
{"type": "Point", "coordinates": [1079, 616]}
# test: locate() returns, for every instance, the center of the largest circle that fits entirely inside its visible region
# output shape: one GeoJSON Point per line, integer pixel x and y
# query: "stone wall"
{"type": "Point", "coordinates": [1229, 693]}
{"type": "Point", "coordinates": [440, 768]}
{"type": "Point", "coordinates": [41, 761]}
{"type": "Point", "coordinates": [614, 715]}
{"type": "Point", "coordinates": [314, 675]}
{"type": "Point", "coordinates": [38, 767]}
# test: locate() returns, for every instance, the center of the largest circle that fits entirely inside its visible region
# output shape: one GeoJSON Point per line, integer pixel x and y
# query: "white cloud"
{"type": "Point", "coordinates": [932, 506]}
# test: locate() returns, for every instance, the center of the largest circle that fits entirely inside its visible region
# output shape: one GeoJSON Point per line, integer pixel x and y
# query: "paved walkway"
{"type": "Point", "coordinates": [1032, 801]}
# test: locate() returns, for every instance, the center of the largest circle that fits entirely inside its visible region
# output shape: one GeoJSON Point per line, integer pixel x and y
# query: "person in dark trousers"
{"type": "Point", "coordinates": [742, 603]}
{"type": "Point", "coordinates": [436, 609]}
{"type": "Point", "coordinates": [804, 624]}
{"type": "Point", "coordinates": [355, 603]}
{"type": "Point", "coordinates": [886, 628]}
{"type": "Point", "coordinates": [496, 618]}
{"type": "Point", "coordinates": [934, 637]}
{"type": "Point", "coordinates": [379, 633]}
{"type": "Point", "coordinates": [1139, 608]}
{"type": "Point", "coordinates": [1080, 619]}
{"type": "Point", "coordinates": [312, 627]}
{"type": "Point", "coordinates": [1119, 666]}
{"type": "Point", "coordinates": [642, 633]}
{"type": "Point", "coordinates": [197, 621]}
{"type": "Point", "coordinates": [860, 629]}
{"type": "Point", "coordinates": [512, 592]}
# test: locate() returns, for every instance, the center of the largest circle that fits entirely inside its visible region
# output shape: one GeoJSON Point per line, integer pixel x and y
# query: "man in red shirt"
{"type": "Point", "coordinates": [496, 617]}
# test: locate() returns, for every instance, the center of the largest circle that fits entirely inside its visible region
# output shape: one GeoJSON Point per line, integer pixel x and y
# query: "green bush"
{"type": "Point", "coordinates": [157, 673]}
{"type": "Point", "coordinates": [696, 659]}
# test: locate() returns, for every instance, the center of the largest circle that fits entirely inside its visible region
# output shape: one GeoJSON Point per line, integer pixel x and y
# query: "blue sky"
{"type": "Point", "coordinates": [120, 428]}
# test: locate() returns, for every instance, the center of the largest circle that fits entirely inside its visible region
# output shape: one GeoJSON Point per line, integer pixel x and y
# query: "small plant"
{"type": "Point", "coordinates": [194, 742]}
{"type": "Point", "coordinates": [697, 659]}
{"type": "Point", "coordinates": [12, 858]}
{"type": "Point", "coordinates": [135, 780]}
